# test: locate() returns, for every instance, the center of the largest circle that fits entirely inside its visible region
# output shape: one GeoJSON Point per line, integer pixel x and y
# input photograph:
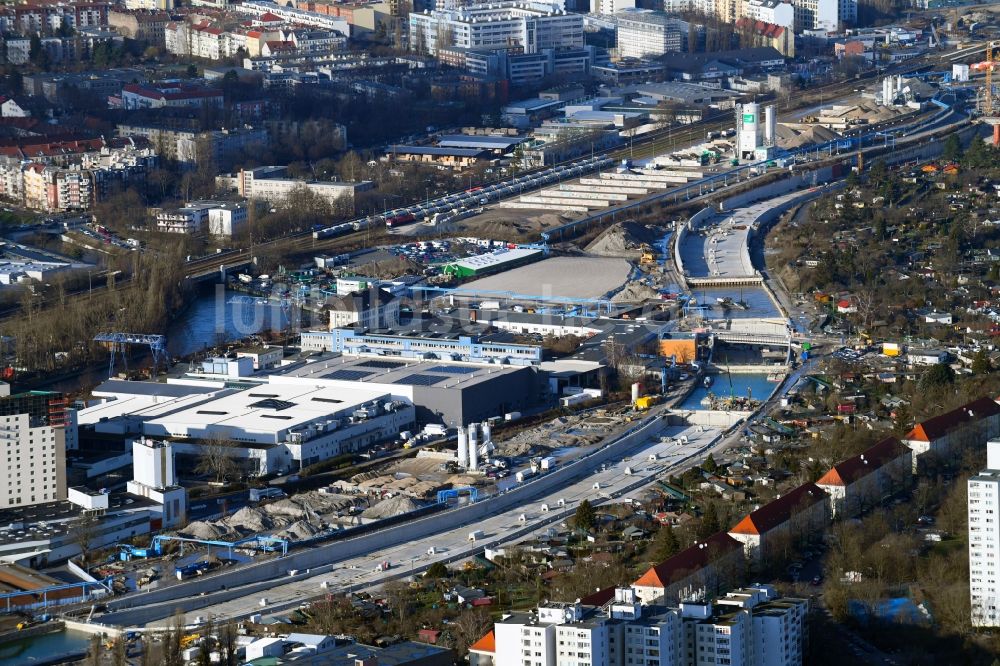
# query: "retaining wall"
{"type": "Point", "coordinates": [259, 577]}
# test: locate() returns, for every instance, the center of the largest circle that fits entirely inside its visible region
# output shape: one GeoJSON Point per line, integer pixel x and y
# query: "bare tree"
{"type": "Point", "coordinates": [218, 459]}
{"type": "Point", "coordinates": [83, 533]}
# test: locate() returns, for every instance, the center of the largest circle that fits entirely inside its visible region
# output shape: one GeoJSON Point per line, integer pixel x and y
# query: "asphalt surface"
{"type": "Point", "coordinates": [626, 476]}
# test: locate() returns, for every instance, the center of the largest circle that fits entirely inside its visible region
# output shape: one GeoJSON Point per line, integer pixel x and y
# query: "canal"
{"type": "Point", "coordinates": [738, 385]}
{"type": "Point", "coordinates": [60, 647]}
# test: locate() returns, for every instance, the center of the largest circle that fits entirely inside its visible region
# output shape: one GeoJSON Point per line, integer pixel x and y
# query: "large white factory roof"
{"type": "Point", "coordinates": [264, 413]}
{"type": "Point", "coordinates": [484, 261]}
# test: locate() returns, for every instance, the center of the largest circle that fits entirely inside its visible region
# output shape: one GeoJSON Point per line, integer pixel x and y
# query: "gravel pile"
{"type": "Point", "coordinates": [635, 292]}
{"type": "Point", "coordinates": [393, 506]}
{"type": "Point", "coordinates": [624, 240]}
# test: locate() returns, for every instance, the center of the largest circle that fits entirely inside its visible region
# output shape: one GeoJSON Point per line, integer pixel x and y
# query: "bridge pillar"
{"type": "Point", "coordinates": [222, 273]}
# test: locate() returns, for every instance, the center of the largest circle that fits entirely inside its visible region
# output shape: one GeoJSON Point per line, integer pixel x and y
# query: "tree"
{"type": "Point", "coordinates": [192, 71]}
{"type": "Point", "coordinates": [217, 459]}
{"type": "Point", "coordinates": [981, 363]}
{"type": "Point", "coordinates": [709, 522]}
{"type": "Point", "coordinates": [666, 544]}
{"type": "Point", "coordinates": [83, 532]}
{"type": "Point", "coordinates": [119, 652]}
{"type": "Point", "coordinates": [204, 657]}
{"type": "Point", "coordinates": [227, 644]}
{"type": "Point", "coordinates": [94, 651]}
{"type": "Point", "coordinates": [952, 150]}
{"type": "Point", "coordinates": [710, 465]}
{"type": "Point", "coordinates": [437, 570]}
{"type": "Point", "coordinates": [940, 374]}
{"type": "Point", "coordinates": [585, 518]}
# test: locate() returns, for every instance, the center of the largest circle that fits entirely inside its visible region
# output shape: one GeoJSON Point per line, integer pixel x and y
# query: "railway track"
{"type": "Point", "coordinates": [640, 147]}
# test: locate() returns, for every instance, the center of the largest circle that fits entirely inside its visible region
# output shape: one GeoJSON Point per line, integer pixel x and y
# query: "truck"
{"type": "Point", "coordinates": [646, 401]}
{"type": "Point", "coordinates": [511, 416]}
{"type": "Point", "coordinates": [244, 278]}
{"type": "Point", "coordinates": [521, 476]}
{"type": "Point", "coordinates": [547, 463]}
{"type": "Point", "coordinates": [258, 494]}
{"type": "Point", "coordinates": [489, 305]}
{"type": "Point", "coordinates": [475, 535]}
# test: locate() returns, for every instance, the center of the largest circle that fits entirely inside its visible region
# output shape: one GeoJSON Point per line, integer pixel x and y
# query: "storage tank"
{"type": "Point", "coordinates": [770, 125]}
{"type": "Point", "coordinates": [473, 458]}
{"type": "Point", "coordinates": [463, 447]}
{"type": "Point", "coordinates": [635, 392]}
{"type": "Point", "coordinates": [487, 434]}
{"type": "Point", "coordinates": [473, 441]}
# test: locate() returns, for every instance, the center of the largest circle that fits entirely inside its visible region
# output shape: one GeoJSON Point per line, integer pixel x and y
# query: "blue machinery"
{"type": "Point", "coordinates": [260, 542]}
{"type": "Point", "coordinates": [119, 342]}
{"type": "Point", "coordinates": [16, 600]}
{"type": "Point", "coordinates": [453, 493]}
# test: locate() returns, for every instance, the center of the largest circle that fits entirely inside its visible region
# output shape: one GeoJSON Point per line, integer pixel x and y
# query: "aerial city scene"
{"type": "Point", "coordinates": [499, 332]}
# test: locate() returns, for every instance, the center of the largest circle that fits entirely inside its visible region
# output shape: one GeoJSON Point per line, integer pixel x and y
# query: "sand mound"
{"type": "Point", "coordinates": [624, 240]}
{"type": "Point", "coordinates": [635, 292]}
{"type": "Point", "coordinates": [300, 529]}
{"type": "Point", "coordinates": [392, 506]}
{"type": "Point", "coordinates": [205, 530]}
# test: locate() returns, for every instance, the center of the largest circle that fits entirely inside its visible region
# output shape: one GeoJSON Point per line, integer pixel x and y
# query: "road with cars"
{"type": "Point", "coordinates": [675, 449]}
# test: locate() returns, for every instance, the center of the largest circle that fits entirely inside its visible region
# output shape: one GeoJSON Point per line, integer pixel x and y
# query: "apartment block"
{"type": "Point", "coordinates": [746, 627]}
{"type": "Point", "coordinates": [947, 434]}
{"type": "Point", "coordinates": [795, 517]}
{"type": "Point", "coordinates": [643, 33]}
{"type": "Point", "coordinates": [984, 540]}
{"type": "Point", "coordinates": [865, 480]}
{"type": "Point", "coordinates": [530, 25]}
{"type": "Point", "coordinates": [32, 447]}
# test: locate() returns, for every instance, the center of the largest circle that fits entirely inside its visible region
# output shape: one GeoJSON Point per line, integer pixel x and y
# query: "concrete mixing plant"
{"type": "Point", "coordinates": [756, 132]}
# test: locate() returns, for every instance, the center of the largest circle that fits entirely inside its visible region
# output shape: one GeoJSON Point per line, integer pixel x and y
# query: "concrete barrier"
{"type": "Point", "coordinates": [530, 206]}
{"type": "Point", "coordinates": [565, 201]}
{"type": "Point", "coordinates": [603, 187]}
{"type": "Point", "coordinates": [238, 582]}
{"type": "Point", "coordinates": [585, 194]}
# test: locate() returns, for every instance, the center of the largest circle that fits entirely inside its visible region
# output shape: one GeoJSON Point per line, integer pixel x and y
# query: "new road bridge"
{"type": "Point", "coordinates": [620, 466]}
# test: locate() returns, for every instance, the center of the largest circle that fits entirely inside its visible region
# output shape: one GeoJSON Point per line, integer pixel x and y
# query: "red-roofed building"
{"type": "Point", "coordinates": [949, 433]}
{"type": "Point", "coordinates": [712, 564]}
{"type": "Point", "coordinates": [762, 33]}
{"type": "Point", "coordinates": [793, 517]}
{"type": "Point", "coordinates": [275, 47]}
{"type": "Point", "coordinates": [860, 483]}
{"type": "Point", "coordinates": [135, 96]}
{"type": "Point", "coordinates": [483, 652]}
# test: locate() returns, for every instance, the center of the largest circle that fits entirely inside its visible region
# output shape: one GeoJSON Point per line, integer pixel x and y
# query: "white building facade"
{"type": "Point", "coordinates": [643, 33]}
{"type": "Point", "coordinates": [32, 448]}
{"type": "Point", "coordinates": [984, 540]}
{"type": "Point", "coordinates": [532, 26]}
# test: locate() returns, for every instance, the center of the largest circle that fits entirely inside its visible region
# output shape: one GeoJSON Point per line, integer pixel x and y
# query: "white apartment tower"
{"type": "Point", "coordinates": [747, 627]}
{"type": "Point", "coordinates": [32, 447]}
{"type": "Point", "coordinates": [533, 26]}
{"type": "Point", "coordinates": [643, 33]}
{"type": "Point", "coordinates": [984, 540]}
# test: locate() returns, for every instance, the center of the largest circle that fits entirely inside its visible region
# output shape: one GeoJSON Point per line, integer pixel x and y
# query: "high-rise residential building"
{"type": "Point", "coordinates": [611, 7]}
{"type": "Point", "coordinates": [984, 540]}
{"type": "Point", "coordinates": [643, 33]}
{"type": "Point", "coordinates": [824, 15]}
{"type": "Point", "coordinates": [746, 627]}
{"type": "Point", "coordinates": [32, 447]}
{"type": "Point", "coordinates": [532, 26]}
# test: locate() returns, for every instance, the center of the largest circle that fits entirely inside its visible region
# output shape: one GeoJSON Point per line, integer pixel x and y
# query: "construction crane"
{"type": "Point", "coordinates": [118, 343]}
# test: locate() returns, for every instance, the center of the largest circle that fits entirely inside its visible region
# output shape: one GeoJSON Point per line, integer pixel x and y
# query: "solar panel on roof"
{"type": "Point", "coordinates": [421, 380]}
{"type": "Point", "coordinates": [348, 375]}
{"type": "Point", "coordinates": [451, 369]}
{"type": "Point", "coordinates": [380, 365]}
